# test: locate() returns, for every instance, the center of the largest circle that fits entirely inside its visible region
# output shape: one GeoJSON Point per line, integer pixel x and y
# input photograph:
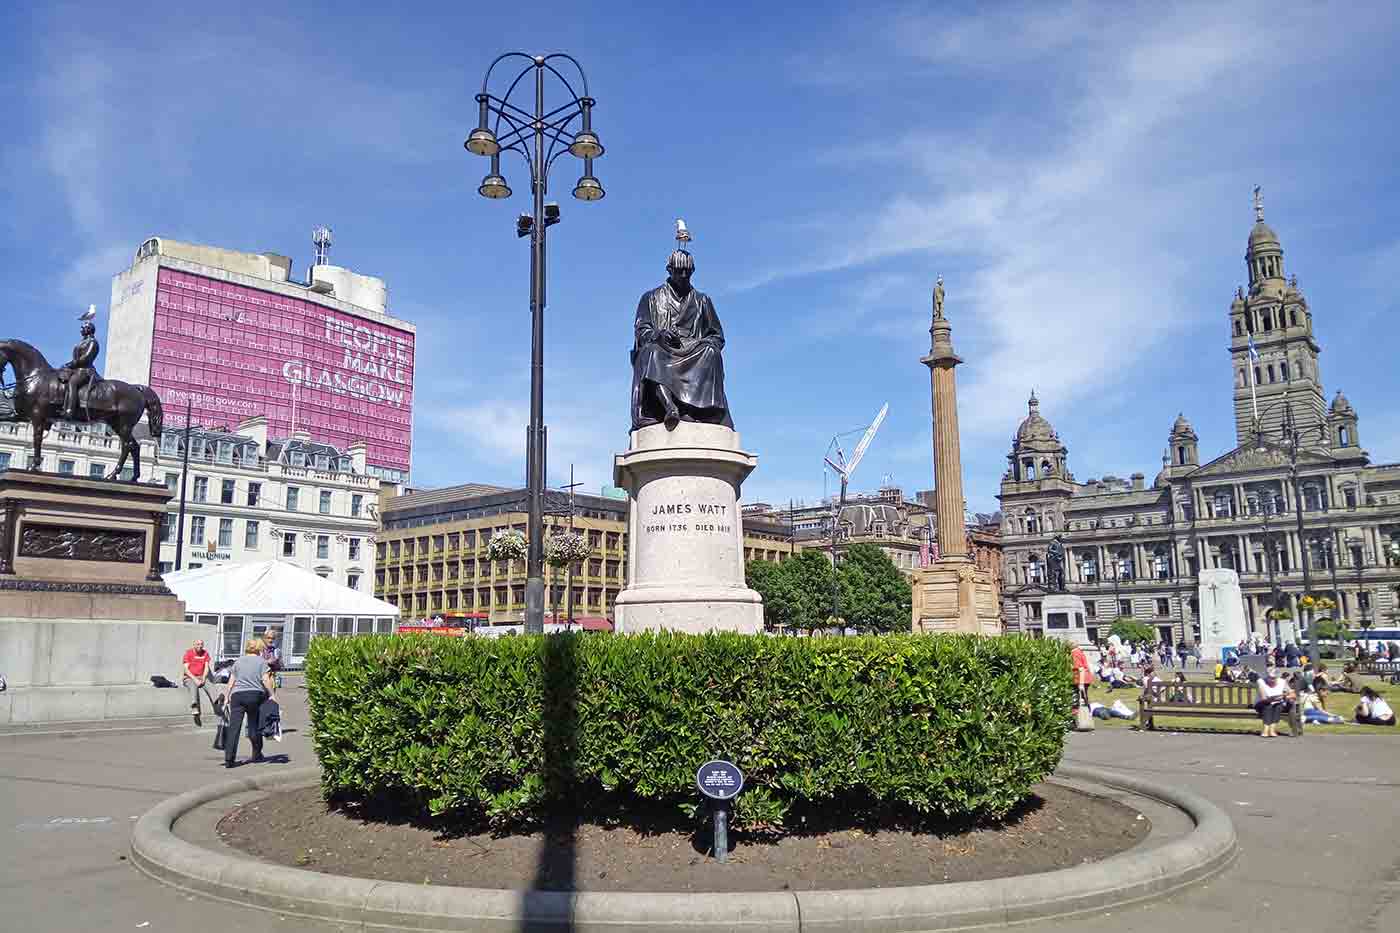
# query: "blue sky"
{"type": "Point", "coordinates": [1080, 174]}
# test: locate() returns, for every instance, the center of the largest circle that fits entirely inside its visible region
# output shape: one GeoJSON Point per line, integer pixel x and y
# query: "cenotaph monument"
{"type": "Point", "coordinates": [953, 594]}
{"type": "Point", "coordinates": [1223, 622]}
{"type": "Point", "coordinates": [683, 470]}
{"type": "Point", "coordinates": [85, 618]}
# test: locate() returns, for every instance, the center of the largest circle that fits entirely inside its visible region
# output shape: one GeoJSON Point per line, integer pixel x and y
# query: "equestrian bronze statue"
{"type": "Point", "coordinates": [43, 395]}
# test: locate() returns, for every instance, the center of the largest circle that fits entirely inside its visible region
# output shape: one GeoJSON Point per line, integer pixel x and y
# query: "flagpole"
{"type": "Point", "coordinates": [1253, 400]}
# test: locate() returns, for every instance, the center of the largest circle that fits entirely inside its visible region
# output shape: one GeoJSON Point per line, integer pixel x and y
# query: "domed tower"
{"type": "Point", "coordinates": [1273, 354]}
{"type": "Point", "coordinates": [1183, 443]}
{"type": "Point", "coordinates": [1036, 451]}
{"type": "Point", "coordinates": [1341, 424]}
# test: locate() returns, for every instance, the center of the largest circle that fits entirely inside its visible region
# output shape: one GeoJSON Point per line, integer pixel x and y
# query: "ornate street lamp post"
{"type": "Point", "coordinates": [540, 136]}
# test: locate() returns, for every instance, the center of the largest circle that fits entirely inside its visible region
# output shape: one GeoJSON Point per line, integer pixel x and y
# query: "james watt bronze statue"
{"type": "Point", "coordinates": [677, 370]}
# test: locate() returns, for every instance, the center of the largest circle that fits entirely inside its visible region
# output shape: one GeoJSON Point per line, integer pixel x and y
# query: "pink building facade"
{"type": "Point", "coordinates": [235, 345]}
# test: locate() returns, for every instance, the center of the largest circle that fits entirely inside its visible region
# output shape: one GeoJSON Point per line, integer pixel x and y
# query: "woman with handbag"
{"type": "Point", "coordinates": [250, 683]}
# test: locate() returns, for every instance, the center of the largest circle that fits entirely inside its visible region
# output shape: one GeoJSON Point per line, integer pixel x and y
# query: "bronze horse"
{"type": "Point", "coordinates": [39, 395]}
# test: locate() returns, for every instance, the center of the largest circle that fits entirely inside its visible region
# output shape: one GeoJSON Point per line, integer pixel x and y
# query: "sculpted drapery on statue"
{"type": "Point", "coordinates": [677, 369]}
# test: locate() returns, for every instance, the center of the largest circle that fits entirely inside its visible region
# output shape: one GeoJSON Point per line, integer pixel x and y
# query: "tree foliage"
{"type": "Point", "coordinates": [875, 595]}
{"type": "Point", "coordinates": [1133, 631]}
{"type": "Point", "coordinates": [797, 593]}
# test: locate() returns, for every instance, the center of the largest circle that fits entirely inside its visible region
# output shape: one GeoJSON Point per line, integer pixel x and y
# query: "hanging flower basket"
{"type": "Point", "coordinates": [1279, 615]}
{"type": "Point", "coordinates": [1326, 602]}
{"type": "Point", "coordinates": [563, 548]}
{"type": "Point", "coordinates": [508, 545]}
{"type": "Point", "coordinates": [1307, 602]}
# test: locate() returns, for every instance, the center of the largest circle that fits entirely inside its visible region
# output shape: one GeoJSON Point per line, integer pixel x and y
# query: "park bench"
{"type": "Point", "coordinates": [1209, 699]}
{"type": "Point", "coordinates": [1387, 669]}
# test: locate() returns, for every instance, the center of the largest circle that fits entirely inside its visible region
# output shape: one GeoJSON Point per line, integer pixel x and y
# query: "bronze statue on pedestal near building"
{"type": "Point", "coordinates": [677, 369]}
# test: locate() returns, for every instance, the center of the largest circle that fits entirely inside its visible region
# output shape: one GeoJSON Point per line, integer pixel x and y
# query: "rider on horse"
{"type": "Point", "coordinates": [78, 372]}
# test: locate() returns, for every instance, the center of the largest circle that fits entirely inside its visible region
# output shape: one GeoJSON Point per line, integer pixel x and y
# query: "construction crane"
{"type": "Point", "coordinates": [844, 469]}
{"type": "Point", "coordinates": [840, 465]}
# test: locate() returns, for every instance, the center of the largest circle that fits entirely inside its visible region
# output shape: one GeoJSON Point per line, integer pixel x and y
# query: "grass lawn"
{"type": "Point", "coordinates": [1340, 703]}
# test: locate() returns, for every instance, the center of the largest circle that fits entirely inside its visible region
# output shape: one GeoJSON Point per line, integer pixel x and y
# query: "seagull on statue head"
{"type": "Point", "coordinates": [89, 314]}
{"type": "Point", "coordinates": [682, 234]}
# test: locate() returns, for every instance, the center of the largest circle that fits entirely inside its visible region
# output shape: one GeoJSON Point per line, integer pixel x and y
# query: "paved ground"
{"type": "Point", "coordinates": [1317, 820]}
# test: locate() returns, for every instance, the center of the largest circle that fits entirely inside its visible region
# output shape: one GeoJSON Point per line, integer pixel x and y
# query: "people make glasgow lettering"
{"type": "Point", "coordinates": [338, 382]}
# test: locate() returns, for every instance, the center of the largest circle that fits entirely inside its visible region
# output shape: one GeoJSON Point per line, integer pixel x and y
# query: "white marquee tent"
{"type": "Point", "coordinates": [244, 600]}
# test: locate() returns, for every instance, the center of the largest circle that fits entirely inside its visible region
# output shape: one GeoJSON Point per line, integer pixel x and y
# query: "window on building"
{"type": "Point", "coordinates": [4, 459]}
{"type": "Point", "coordinates": [1312, 499]}
{"type": "Point", "coordinates": [66, 467]}
{"type": "Point", "coordinates": [1164, 607]}
{"type": "Point", "coordinates": [357, 504]}
{"type": "Point", "coordinates": [1091, 610]}
{"type": "Point", "coordinates": [1033, 610]}
{"type": "Point", "coordinates": [1125, 607]}
{"type": "Point", "coordinates": [289, 544]}
{"type": "Point", "coordinates": [225, 533]}
{"type": "Point", "coordinates": [1363, 600]}
{"type": "Point", "coordinates": [254, 493]}
{"type": "Point", "coordinates": [96, 470]}
{"type": "Point", "coordinates": [250, 535]}
{"type": "Point", "coordinates": [323, 547]}
{"type": "Point", "coordinates": [167, 528]}
{"type": "Point", "coordinates": [1268, 321]}
{"type": "Point", "coordinates": [1163, 567]}
{"type": "Point", "coordinates": [352, 580]}
{"type": "Point", "coordinates": [226, 491]}
{"type": "Point", "coordinates": [1257, 380]}
{"type": "Point", "coordinates": [354, 549]}
{"type": "Point", "coordinates": [1089, 570]}
{"type": "Point", "coordinates": [201, 489]}
{"type": "Point", "coordinates": [1239, 328]}
{"type": "Point", "coordinates": [172, 481]}
{"type": "Point", "coordinates": [325, 504]}
{"type": "Point", "coordinates": [1349, 496]}
{"type": "Point", "coordinates": [293, 498]}
{"type": "Point", "coordinates": [1283, 371]}
{"type": "Point", "coordinates": [197, 531]}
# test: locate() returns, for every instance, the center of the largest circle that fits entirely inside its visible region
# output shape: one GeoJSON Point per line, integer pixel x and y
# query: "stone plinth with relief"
{"type": "Point", "coordinates": [685, 560]}
{"type": "Point", "coordinates": [85, 619]}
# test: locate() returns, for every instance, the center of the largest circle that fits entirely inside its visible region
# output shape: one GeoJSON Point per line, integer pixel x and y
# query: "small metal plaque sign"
{"type": "Point", "coordinates": [719, 780]}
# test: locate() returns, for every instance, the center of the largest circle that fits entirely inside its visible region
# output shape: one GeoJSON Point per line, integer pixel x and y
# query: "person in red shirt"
{"type": "Point", "coordinates": [1083, 676]}
{"type": "Point", "coordinates": [197, 664]}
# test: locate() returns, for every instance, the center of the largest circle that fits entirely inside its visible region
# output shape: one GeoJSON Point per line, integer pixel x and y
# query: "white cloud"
{"type": "Point", "coordinates": [1070, 225]}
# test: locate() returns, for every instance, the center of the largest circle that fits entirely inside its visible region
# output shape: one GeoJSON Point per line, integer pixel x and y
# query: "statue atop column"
{"type": "Point", "coordinates": [677, 369]}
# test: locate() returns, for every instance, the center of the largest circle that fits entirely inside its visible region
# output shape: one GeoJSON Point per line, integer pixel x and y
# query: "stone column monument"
{"type": "Point", "coordinates": [683, 470]}
{"type": "Point", "coordinates": [953, 594]}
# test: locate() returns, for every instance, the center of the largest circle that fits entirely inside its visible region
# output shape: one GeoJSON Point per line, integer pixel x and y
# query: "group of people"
{"type": "Point", "coordinates": [249, 693]}
{"type": "Point", "coordinates": [1135, 654]}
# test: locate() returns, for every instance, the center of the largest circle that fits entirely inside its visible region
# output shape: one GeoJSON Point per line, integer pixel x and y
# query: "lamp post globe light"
{"type": "Point", "coordinates": [539, 136]}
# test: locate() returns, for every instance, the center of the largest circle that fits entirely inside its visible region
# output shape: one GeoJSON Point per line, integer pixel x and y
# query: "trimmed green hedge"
{"type": "Point", "coordinates": [502, 728]}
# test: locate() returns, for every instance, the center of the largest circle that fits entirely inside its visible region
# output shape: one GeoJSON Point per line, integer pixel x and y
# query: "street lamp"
{"type": "Point", "coordinates": [539, 137]}
{"type": "Point", "coordinates": [1268, 508]}
{"type": "Point", "coordinates": [1293, 437]}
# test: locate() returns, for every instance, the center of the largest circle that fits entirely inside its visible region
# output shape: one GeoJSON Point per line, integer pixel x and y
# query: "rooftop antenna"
{"type": "Point", "coordinates": [321, 237]}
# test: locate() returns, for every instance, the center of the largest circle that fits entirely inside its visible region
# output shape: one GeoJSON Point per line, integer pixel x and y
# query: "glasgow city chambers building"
{"type": "Point", "coordinates": [1296, 507]}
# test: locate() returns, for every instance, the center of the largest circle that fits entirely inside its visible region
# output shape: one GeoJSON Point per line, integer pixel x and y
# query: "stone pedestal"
{"type": "Point", "coordinates": [84, 617]}
{"type": "Point", "coordinates": [685, 559]}
{"type": "Point", "coordinates": [955, 595]}
{"type": "Point", "coordinates": [1065, 618]}
{"type": "Point", "coordinates": [1223, 622]}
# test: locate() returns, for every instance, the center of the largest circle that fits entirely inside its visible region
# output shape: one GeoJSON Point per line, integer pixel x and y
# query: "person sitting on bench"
{"type": "Point", "coordinates": [1180, 693]}
{"type": "Point", "coordinates": [1373, 710]}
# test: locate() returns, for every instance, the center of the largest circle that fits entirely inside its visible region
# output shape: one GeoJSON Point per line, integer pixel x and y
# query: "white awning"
{"type": "Point", "coordinates": [270, 588]}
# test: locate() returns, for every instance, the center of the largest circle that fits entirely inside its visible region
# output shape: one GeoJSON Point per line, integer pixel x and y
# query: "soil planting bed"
{"type": "Point", "coordinates": [1056, 828]}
